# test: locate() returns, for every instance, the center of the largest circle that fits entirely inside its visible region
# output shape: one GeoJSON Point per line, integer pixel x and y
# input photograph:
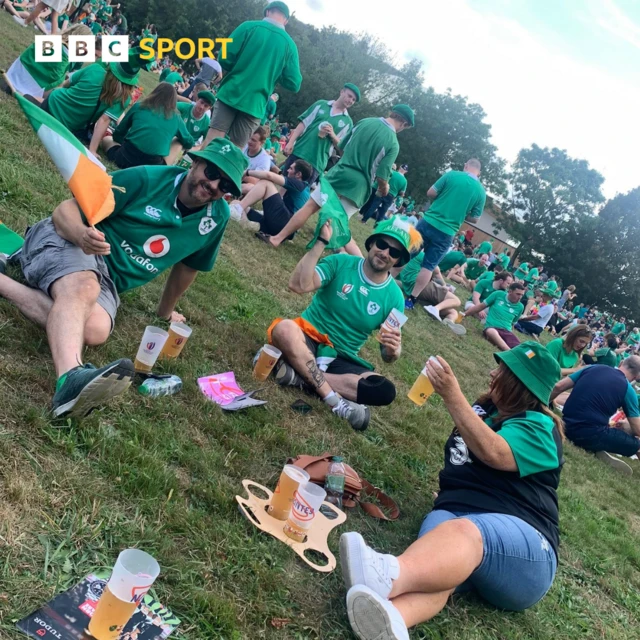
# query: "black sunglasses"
{"type": "Point", "coordinates": [393, 252]}
{"type": "Point", "coordinates": [211, 172]}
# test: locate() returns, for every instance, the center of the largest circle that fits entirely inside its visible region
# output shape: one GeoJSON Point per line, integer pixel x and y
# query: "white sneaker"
{"type": "Point", "coordinates": [458, 329]}
{"type": "Point", "coordinates": [20, 21]}
{"type": "Point", "coordinates": [361, 565]}
{"type": "Point", "coordinates": [236, 211]}
{"type": "Point", "coordinates": [432, 311]}
{"type": "Point", "coordinates": [373, 617]}
{"type": "Point", "coordinates": [613, 461]}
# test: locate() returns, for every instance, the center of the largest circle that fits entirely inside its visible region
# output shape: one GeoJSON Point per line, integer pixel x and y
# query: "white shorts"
{"type": "Point", "coordinates": [348, 205]}
{"type": "Point", "coordinates": [23, 81]}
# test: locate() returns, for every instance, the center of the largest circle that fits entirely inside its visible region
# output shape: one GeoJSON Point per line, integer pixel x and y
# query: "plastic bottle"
{"type": "Point", "coordinates": [334, 482]}
{"type": "Point", "coordinates": [156, 387]}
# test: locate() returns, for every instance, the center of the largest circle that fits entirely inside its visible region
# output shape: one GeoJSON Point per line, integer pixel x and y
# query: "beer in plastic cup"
{"type": "Point", "coordinates": [460, 317]}
{"type": "Point", "coordinates": [267, 359]}
{"type": "Point", "coordinates": [178, 335]}
{"type": "Point", "coordinates": [306, 502]}
{"type": "Point", "coordinates": [422, 387]}
{"type": "Point", "coordinates": [322, 133]}
{"type": "Point", "coordinates": [133, 575]}
{"type": "Point", "coordinates": [150, 347]}
{"type": "Point", "coordinates": [395, 320]}
{"type": "Point", "coordinates": [291, 479]}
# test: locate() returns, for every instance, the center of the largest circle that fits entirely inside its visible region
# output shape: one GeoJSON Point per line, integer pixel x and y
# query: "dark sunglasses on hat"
{"type": "Point", "coordinates": [226, 185]}
{"type": "Point", "coordinates": [393, 251]}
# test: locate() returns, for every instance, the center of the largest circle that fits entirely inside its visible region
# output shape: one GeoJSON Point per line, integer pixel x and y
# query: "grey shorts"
{"type": "Point", "coordinates": [237, 124]}
{"type": "Point", "coordinates": [46, 257]}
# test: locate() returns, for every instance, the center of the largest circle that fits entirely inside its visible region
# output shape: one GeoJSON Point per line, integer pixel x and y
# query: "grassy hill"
{"type": "Point", "coordinates": [162, 474]}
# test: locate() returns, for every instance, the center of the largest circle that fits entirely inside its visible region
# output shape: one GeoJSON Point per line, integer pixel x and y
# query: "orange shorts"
{"type": "Point", "coordinates": [307, 328]}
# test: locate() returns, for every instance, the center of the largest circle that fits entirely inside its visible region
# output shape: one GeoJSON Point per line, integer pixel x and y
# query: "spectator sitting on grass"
{"type": "Point", "coordinates": [494, 525]}
{"type": "Point", "coordinates": [468, 273]}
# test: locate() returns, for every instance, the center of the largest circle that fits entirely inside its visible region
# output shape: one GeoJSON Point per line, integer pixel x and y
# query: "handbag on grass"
{"type": "Point", "coordinates": [354, 486]}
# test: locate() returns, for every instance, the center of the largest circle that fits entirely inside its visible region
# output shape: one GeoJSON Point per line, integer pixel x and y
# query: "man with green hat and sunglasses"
{"type": "Point", "coordinates": [322, 127]}
{"type": "Point", "coordinates": [369, 151]}
{"type": "Point", "coordinates": [260, 55]}
{"type": "Point", "coordinates": [353, 298]}
{"type": "Point", "coordinates": [164, 217]}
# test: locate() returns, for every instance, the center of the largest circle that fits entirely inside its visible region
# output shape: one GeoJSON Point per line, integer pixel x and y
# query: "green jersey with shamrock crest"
{"type": "Point", "coordinates": [474, 269]}
{"type": "Point", "coordinates": [502, 313]}
{"type": "Point", "coordinates": [197, 127]}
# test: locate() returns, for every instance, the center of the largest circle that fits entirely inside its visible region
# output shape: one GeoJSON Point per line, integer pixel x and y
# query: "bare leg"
{"type": "Point", "coordinates": [297, 221]}
{"type": "Point", "coordinates": [456, 276]}
{"type": "Point", "coordinates": [107, 143]}
{"type": "Point", "coordinates": [423, 279]}
{"type": "Point", "coordinates": [39, 8]}
{"type": "Point", "coordinates": [34, 304]}
{"type": "Point", "coordinates": [450, 302]}
{"type": "Point", "coordinates": [174, 152]}
{"type": "Point", "coordinates": [420, 607]}
{"type": "Point", "coordinates": [494, 338]}
{"type": "Point", "coordinates": [54, 22]}
{"type": "Point", "coordinates": [353, 249]}
{"type": "Point", "coordinates": [261, 191]}
{"type": "Point", "coordinates": [562, 399]}
{"type": "Point", "coordinates": [346, 384]}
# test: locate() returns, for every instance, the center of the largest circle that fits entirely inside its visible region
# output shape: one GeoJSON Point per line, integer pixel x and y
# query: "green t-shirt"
{"type": "Point", "coordinates": [164, 73]}
{"type": "Point", "coordinates": [260, 55]}
{"type": "Point", "coordinates": [410, 273]}
{"type": "Point", "coordinates": [349, 307]}
{"type": "Point", "coordinates": [195, 127]}
{"type": "Point", "coordinates": [474, 269]}
{"type": "Point", "coordinates": [79, 105]}
{"type": "Point", "coordinates": [552, 285]}
{"type": "Point", "coordinates": [521, 271]}
{"type": "Point", "coordinates": [532, 275]}
{"type": "Point", "coordinates": [95, 27]}
{"type": "Point", "coordinates": [370, 149]}
{"type": "Point", "coordinates": [502, 313]}
{"type": "Point", "coordinates": [504, 261]}
{"type": "Point", "coordinates": [46, 74]}
{"type": "Point", "coordinates": [618, 328]}
{"type": "Point", "coordinates": [487, 275]}
{"type": "Point", "coordinates": [633, 338]}
{"type": "Point", "coordinates": [310, 146]}
{"type": "Point", "coordinates": [270, 111]}
{"type": "Point", "coordinates": [452, 259]}
{"type": "Point", "coordinates": [484, 288]}
{"type": "Point", "coordinates": [484, 247]}
{"type": "Point", "coordinates": [460, 195]}
{"type": "Point", "coordinates": [606, 356]}
{"type": "Point", "coordinates": [61, 20]}
{"type": "Point", "coordinates": [271, 146]}
{"type": "Point", "coordinates": [576, 309]}
{"type": "Point", "coordinates": [397, 183]}
{"type": "Point", "coordinates": [564, 359]}
{"type": "Point", "coordinates": [147, 232]}
{"type": "Point", "coordinates": [150, 132]}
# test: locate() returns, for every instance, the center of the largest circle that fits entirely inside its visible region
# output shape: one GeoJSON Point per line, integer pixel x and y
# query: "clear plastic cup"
{"type": "Point", "coordinates": [151, 345]}
{"type": "Point", "coordinates": [267, 359]}
{"type": "Point", "coordinates": [306, 503]}
{"type": "Point", "coordinates": [179, 333]}
{"type": "Point", "coordinates": [395, 320]}
{"type": "Point", "coordinates": [422, 388]}
{"type": "Point", "coordinates": [291, 479]}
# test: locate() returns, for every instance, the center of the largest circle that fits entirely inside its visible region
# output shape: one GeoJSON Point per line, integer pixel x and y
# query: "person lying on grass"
{"type": "Point", "coordinates": [494, 524]}
{"type": "Point", "coordinates": [164, 217]}
{"type": "Point", "coordinates": [504, 310]}
{"type": "Point", "coordinates": [353, 297]}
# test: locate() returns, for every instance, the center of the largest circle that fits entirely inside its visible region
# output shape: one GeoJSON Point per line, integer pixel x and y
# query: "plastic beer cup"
{"type": "Point", "coordinates": [321, 129]}
{"type": "Point", "coordinates": [150, 347]}
{"type": "Point", "coordinates": [306, 502]}
{"type": "Point", "coordinates": [267, 359]}
{"type": "Point", "coordinates": [291, 479]}
{"type": "Point", "coordinates": [395, 320]}
{"type": "Point", "coordinates": [133, 575]}
{"type": "Point", "coordinates": [422, 387]}
{"type": "Point", "coordinates": [460, 317]}
{"type": "Point", "coordinates": [178, 335]}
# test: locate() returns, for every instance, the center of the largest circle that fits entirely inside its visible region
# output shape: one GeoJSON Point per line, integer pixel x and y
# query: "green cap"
{"type": "Point", "coordinates": [352, 87]}
{"type": "Point", "coordinates": [227, 157]}
{"type": "Point", "coordinates": [173, 77]}
{"type": "Point", "coordinates": [394, 228]}
{"type": "Point", "coordinates": [207, 96]}
{"type": "Point", "coordinates": [534, 366]}
{"type": "Point", "coordinates": [277, 5]}
{"type": "Point", "coordinates": [549, 292]}
{"type": "Point", "coordinates": [406, 112]}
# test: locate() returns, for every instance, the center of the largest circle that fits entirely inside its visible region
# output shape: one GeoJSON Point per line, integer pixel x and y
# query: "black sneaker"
{"type": "Point", "coordinates": [287, 376]}
{"type": "Point", "coordinates": [86, 387]}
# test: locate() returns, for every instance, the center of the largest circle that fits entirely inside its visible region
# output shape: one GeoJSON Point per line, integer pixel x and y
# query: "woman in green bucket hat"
{"type": "Point", "coordinates": [494, 525]}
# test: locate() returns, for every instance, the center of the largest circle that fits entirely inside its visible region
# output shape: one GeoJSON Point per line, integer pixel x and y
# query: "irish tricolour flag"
{"type": "Point", "coordinates": [84, 173]}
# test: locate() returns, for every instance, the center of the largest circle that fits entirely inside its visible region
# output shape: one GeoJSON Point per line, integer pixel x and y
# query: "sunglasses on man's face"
{"type": "Point", "coordinates": [393, 251]}
{"type": "Point", "coordinates": [211, 172]}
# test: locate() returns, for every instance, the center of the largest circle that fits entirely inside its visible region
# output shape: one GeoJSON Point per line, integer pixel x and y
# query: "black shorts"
{"type": "Point", "coordinates": [126, 155]}
{"type": "Point", "coordinates": [274, 216]}
{"type": "Point", "coordinates": [340, 366]}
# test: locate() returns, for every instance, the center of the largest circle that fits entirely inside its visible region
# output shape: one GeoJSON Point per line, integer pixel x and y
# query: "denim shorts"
{"type": "Point", "coordinates": [518, 565]}
{"type": "Point", "coordinates": [605, 439]}
{"type": "Point", "coordinates": [436, 244]}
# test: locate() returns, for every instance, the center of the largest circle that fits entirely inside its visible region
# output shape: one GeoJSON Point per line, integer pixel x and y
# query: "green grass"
{"type": "Point", "coordinates": [162, 474]}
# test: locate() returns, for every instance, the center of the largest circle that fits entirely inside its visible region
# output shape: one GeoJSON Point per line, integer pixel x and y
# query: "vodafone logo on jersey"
{"type": "Point", "coordinates": [157, 246]}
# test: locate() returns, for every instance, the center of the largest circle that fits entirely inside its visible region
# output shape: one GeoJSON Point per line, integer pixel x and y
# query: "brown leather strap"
{"type": "Point", "coordinates": [374, 510]}
{"type": "Point", "coordinates": [304, 461]}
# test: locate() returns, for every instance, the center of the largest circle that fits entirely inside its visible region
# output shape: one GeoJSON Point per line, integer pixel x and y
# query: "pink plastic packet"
{"type": "Point", "coordinates": [222, 388]}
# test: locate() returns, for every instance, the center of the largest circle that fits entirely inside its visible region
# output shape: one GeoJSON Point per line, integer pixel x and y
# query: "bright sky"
{"type": "Point", "coordinates": [557, 73]}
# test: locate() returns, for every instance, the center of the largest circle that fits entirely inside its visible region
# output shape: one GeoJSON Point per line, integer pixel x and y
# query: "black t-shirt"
{"type": "Point", "coordinates": [468, 485]}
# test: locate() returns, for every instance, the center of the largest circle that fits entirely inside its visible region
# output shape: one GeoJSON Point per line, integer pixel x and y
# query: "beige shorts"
{"type": "Point", "coordinates": [348, 205]}
{"type": "Point", "coordinates": [237, 124]}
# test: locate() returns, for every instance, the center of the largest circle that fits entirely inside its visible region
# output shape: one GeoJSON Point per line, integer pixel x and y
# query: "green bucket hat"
{"type": "Point", "coordinates": [548, 292]}
{"type": "Point", "coordinates": [277, 5]}
{"type": "Point", "coordinates": [534, 366]}
{"type": "Point", "coordinates": [207, 96]}
{"type": "Point", "coordinates": [406, 112]}
{"type": "Point", "coordinates": [173, 77]}
{"type": "Point", "coordinates": [352, 87]}
{"type": "Point", "coordinates": [227, 157]}
{"type": "Point", "coordinates": [395, 228]}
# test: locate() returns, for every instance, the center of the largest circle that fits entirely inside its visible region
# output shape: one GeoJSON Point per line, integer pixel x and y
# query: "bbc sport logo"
{"type": "Point", "coordinates": [116, 48]}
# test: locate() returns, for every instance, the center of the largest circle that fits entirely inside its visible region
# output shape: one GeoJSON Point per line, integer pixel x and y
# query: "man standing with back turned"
{"type": "Point", "coordinates": [455, 196]}
{"type": "Point", "coordinates": [261, 55]}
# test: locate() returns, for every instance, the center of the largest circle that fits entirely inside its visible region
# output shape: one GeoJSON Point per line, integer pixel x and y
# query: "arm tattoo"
{"type": "Point", "coordinates": [315, 375]}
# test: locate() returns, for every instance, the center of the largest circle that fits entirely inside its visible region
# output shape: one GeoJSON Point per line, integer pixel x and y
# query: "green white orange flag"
{"type": "Point", "coordinates": [86, 176]}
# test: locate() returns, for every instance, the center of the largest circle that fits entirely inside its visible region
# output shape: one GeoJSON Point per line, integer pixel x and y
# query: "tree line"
{"type": "Point", "coordinates": [551, 204]}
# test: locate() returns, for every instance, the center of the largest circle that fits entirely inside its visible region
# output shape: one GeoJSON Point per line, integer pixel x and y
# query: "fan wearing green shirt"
{"type": "Point", "coordinates": [619, 328]}
{"type": "Point", "coordinates": [634, 337]}
{"type": "Point", "coordinates": [469, 273]}
{"type": "Point", "coordinates": [522, 271]}
{"type": "Point", "coordinates": [270, 110]}
{"type": "Point", "coordinates": [486, 286]}
{"type": "Point", "coordinates": [352, 299]}
{"type": "Point", "coordinates": [456, 196]}
{"type": "Point", "coordinates": [260, 55]}
{"type": "Point", "coordinates": [483, 247]}
{"type": "Point", "coordinates": [370, 149]}
{"type": "Point", "coordinates": [504, 310]}
{"type": "Point", "coordinates": [145, 134]}
{"type": "Point", "coordinates": [195, 116]}
{"type": "Point", "coordinates": [272, 145]}
{"type": "Point", "coordinates": [322, 127]}
{"type": "Point", "coordinates": [164, 217]}
{"type": "Point", "coordinates": [533, 275]}
{"type": "Point", "coordinates": [451, 262]}
{"type": "Point", "coordinates": [567, 351]}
